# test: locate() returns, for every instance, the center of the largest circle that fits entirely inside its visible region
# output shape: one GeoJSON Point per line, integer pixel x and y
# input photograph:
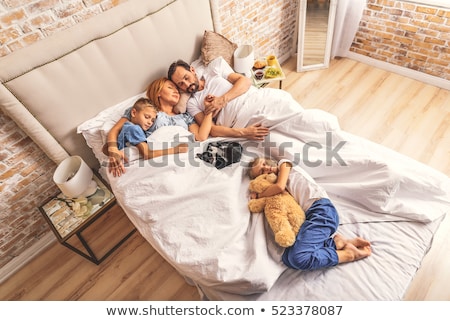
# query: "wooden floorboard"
{"type": "Point", "coordinates": [403, 114]}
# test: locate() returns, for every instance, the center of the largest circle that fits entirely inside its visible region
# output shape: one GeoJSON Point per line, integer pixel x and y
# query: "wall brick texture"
{"type": "Point", "coordinates": [397, 32]}
{"type": "Point", "coordinates": [406, 34]}
{"type": "Point", "coordinates": [25, 171]}
{"type": "Point", "coordinates": [268, 25]}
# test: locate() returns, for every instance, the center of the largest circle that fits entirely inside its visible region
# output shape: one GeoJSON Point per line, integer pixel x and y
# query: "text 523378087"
{"type": "Point", "coordinates": [305, 310]}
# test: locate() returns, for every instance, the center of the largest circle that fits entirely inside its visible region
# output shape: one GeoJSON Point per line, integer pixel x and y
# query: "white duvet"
{"type": "Point", "coordinates": [196, 216]}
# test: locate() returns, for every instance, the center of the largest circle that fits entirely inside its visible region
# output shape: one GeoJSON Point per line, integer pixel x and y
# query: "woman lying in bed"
{"type": "Point", "coordinates": [164, 95]}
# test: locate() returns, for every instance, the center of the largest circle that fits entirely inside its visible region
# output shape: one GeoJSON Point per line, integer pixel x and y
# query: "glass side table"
{"type": "Point", "coordinates": [70, 221]}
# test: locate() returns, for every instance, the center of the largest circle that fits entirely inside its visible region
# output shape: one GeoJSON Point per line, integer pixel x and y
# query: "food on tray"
{"type": "Point", "coordinates": [272, 72]}
{"type": "Point", "coordinates": [259, 74]}
{"type": "Point", "coordinates": [259, 64]}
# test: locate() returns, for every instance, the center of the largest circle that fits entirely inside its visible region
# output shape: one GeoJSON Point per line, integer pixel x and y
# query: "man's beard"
{"type": "Point", "coordinates": [193, 88]}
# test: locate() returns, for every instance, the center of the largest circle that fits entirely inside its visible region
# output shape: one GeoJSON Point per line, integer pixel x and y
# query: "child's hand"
{"type": "Point", "coordinates": [253, 195]}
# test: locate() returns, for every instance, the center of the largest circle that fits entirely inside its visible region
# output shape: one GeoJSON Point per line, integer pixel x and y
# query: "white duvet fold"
{"type": "Point", "coordinates": [196, 216]}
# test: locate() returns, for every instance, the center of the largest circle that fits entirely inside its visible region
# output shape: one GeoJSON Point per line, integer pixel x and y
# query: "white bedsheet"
{"type": "Point", "coordinates": [196, 216]}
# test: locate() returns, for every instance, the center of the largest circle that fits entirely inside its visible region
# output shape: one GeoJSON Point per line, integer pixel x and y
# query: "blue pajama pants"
{"type": "Point", "coordinates": [314, 247]}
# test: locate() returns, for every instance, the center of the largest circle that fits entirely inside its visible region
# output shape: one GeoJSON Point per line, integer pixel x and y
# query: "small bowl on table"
{"type": "Point", "coordinates": [259, 74]}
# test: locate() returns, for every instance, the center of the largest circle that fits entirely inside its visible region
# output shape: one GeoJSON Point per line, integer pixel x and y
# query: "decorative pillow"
{"type": "Point", "coordinates": [215, 45]}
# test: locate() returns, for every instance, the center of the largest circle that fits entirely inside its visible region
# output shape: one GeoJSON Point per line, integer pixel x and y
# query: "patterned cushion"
{"type": "Point", "coordinates": [215, 45]}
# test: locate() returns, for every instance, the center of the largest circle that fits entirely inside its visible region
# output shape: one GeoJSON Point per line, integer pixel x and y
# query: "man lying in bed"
{"type": "Point", "coordinates": [231, 98]}
{"type": "Point", "coordinates": [211, 92]}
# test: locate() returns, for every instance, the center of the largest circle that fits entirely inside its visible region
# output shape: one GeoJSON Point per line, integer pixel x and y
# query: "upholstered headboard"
{"type": "Point", "coordinates": [51, 87]}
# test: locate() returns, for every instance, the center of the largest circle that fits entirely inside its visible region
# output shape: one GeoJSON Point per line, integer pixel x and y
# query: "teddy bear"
{"type": "Point", "coordinates": [283, 213]}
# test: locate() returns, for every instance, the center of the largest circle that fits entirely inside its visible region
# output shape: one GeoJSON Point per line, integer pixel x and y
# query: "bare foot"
{"type": "Point", "coordinates": [340, 242]}
{"type": "Point", "coordinates": [359, 242]}
{"type": "Point", "coordinates": [352, 253]}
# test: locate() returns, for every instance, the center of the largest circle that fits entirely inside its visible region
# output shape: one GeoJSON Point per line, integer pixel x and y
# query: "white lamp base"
{"type": "Point", "coordinates": [74, 177]}
{"type": "Point", "coordinates": [90, 190]}
{"type": "Point", "coordinates": [244, 59]}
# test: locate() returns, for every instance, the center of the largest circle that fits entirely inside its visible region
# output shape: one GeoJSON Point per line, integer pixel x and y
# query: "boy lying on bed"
{"type": "Point", "coordinates": [142, 116]}
{"type": "Point", "coordinates": [147, 115]}
{"type": "Point", "coordinates": [317, 244]}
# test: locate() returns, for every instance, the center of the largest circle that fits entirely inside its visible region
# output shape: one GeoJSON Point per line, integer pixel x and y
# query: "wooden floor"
{"type": "Point", "coordinates": [403, 114]}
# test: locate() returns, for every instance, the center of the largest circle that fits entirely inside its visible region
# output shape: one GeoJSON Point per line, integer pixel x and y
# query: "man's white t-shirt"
{"type": "Point", "coordinates": [217, 84]}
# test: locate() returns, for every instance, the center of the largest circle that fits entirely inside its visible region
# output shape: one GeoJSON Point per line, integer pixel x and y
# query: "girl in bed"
{"type": "Point", "coordinates": [317, 244]}
{"type": "Point", "coordinates": [164, 95]}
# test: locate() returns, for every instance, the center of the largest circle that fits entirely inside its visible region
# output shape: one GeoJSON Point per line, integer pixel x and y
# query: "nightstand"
{"type": "Point", "coordinates": [265, 81]}
{"type": "Point", "coordinates": [96, 232]}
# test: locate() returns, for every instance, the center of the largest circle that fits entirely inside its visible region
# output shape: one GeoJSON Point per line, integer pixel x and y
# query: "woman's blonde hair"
{"type": "Point", "coordinates": [154, 89]}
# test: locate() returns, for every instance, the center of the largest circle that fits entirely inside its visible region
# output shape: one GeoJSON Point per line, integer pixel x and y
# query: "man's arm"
{"type": "Point", "coordinates": [241, 84]}
{"type": "Point", "coordinates": [148, 153]}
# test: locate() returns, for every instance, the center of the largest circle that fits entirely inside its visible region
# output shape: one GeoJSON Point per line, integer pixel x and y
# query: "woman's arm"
{"type": "Point", "coordinates": [201, 132]}
{"type": "Point", "coordinates": [116, 157]}
{"type": "Point", "coordinates": [147, 153]}
{"type": "Point", "coordinates": [111, 138]}
{"type": "Point", "coordinates": [253, 132]}
{"type": "Point", "coordinates": [280, 185]}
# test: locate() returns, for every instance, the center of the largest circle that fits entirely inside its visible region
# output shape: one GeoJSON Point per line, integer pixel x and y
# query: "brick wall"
{"type": "Point", "coordinates": [268, 25]}
{"type": "Point", "coordinates": [406, 34]}
{"type": "Point", "coordinates": [25, 171]}
{"type": "Point", "coordinates": [25, 181]}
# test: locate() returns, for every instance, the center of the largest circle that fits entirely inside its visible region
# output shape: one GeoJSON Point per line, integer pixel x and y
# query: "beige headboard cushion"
{"type": "Point", "coordinates": [51, 87]}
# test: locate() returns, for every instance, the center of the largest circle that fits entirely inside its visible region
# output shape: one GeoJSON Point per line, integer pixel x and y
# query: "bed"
{"type": "Point", "coordinates": [66, 91]}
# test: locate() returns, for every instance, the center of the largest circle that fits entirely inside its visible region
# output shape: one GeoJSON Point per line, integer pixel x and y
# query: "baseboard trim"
{"type": "Point", "coordinates": [414, 74]}
{"type": "Point", "coordinates": [26, 256]}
